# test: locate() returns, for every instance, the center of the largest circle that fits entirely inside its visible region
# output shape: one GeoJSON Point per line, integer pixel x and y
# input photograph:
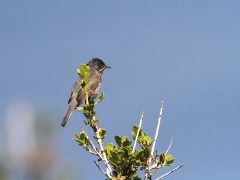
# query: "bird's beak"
{"type": "Point", "coordinates": [106, 67]}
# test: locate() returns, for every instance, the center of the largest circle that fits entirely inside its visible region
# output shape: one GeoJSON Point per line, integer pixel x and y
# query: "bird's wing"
{"type": "Point", "coordinates": [70, 98]}
{"type": "Point", "coordinates": [94, 86]}
{"type": "Point", "coordinates": [75, 90]}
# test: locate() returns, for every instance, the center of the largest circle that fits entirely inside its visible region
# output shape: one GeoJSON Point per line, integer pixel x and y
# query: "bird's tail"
{"type": "Point", "coordinates": [67, 116]}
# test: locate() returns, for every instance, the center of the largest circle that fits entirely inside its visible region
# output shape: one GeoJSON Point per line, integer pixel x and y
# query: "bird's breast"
{"type": "Point", "coordinates": [100, 74]}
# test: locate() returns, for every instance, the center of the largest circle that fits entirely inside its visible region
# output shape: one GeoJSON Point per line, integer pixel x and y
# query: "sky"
{"type": "Point", "coordinates": [185, 53]}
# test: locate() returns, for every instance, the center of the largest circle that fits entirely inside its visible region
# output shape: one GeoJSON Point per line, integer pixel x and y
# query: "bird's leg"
{"type": "Point", "coordinates": [93, 92]}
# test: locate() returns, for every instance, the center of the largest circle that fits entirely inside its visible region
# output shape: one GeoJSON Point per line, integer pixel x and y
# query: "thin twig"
{"type": "Point", "coordinates": [91, 152]}
{"type": "Point", "coordinates": [170, 171]}
{"type": "Point", "coordinates": [92, 145]}
{"type": "Point", "coordinates": [154, 141]}
{"type": "Point", "coordinates": [156, 135]}
{"type": "Point", "coordinates": [105, 160]}
{"type": "Point", "coordinates": [156, 164]}
{"type": "Point", "coordinates": [169, 146]}
{"type": "Point", "coordinates": [87, 98]}
{"type": "Point", "coordinates": [100, 169]}
{"type": "Point", "coordinates": [145, 177]}
{"type": "Point", "coordinates": [139, 127]}
{"type": "Point", "coordinates": [158, 126]}
{"type": "Point", "coordinates": [104, 157]}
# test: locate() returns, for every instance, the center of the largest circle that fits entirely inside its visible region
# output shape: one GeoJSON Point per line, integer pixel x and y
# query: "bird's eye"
{"type": "Point", "coordinates": [101, 65]}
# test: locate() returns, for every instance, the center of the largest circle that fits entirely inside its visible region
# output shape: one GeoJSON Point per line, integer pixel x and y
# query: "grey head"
{"type": "Point", "coordinates": [97, 64]}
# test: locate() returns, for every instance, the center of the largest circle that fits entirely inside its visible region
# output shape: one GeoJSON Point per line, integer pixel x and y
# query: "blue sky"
{"type": "Point", "coordinates": [185, 53]}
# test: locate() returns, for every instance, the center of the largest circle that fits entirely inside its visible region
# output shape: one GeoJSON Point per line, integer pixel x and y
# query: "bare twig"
{"type": "Point", "coordinates": [147, 177]}
{"type": "Point", "coordinates": [105, 160]}
{"type": "Point", "coordinates": [100, 169]}
{"type": "Point", "coordinates": [156, 135]}
{"type": "Point", "coordinates": [139, 127]}
{"type": "Point", "coordinates": [103, 156]}
{"type": "Point", "coordinates": [87, 98]}
{"type": "Point", "coordinates": [170, 171]}
{"type": "Point", "coordinates": [158, 126]}
{"type": "Point", "coordinates": [153, 166]}
{"type": "Point", "coordinates": [91, 152]}
{"type": "Point", "coordinates": [169, 146]}
{"type": "Point", "coordinates": [92, 145]}
{"type": "Point", "coordinates": [156, 164]}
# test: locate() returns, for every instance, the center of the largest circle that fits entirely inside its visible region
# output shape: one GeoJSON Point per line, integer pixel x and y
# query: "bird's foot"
{"type": "Point", "coordinates": [93, 92]}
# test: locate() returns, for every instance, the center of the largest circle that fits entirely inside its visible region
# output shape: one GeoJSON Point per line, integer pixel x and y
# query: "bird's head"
{"type": "Point", "coordinates": [98, 65]}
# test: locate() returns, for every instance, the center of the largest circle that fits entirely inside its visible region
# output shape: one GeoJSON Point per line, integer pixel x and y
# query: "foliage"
{"type": "Point", "coordinates": [124, 162]}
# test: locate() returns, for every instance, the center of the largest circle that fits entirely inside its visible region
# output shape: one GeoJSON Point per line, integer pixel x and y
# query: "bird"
{"type": "Point", "coordinates": [78, 95]}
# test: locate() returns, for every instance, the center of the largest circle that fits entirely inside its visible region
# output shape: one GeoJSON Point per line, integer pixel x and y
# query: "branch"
{"type": "Point", "coordinates": [170, 171]}
{"type": "Point", "coordinates": [101, 169]}
{"type": "Point", "coordinates": [139, 127]}
{"type": "Point", "coordinates": [105, 160]}
{"type": "Point", "coordinates": [100, 143]}
{"type": "Point", "coordinates": [169, 146]}
{"type": "Point", "coordinates": [155, 138]}
{"type": "Point", "coordinates": [92, 145]}
{"type": "Point", "coordinates": [156, 164]}
{"type": "Point", "coordinates": [158, 126]}
{"type": "Point", "coordinates": [91, 152]}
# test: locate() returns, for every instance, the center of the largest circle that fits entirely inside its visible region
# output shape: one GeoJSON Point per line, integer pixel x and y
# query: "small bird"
{"type": "Point", "coordinates": [78, 96]}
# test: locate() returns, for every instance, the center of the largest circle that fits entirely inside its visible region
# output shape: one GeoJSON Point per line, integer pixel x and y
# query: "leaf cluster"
{"type": "Point", "coordinates": [124, 162]}
{"type": "Point", "coordinates": [143, 139]}
{"type": "Point", "coordinates": [84, 73]}
{"type": "Point", "coordinates": [82, 139]}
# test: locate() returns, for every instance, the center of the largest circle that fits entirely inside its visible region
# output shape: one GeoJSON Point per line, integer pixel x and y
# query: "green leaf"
{"type": "Point", "coordinates": [80, 108]}
{"type": "Point", "coordinates": [96, 122]}
{"type": "Point", "coordinates": [148, 139]}
{"type": "Point", "coordinates": [126, 143]}
{"type": "Point", "coordinates": [82, 139]}
{"type": "Point", "coordinates": [84, 69]}
{"type": "Point", "coordinates": [139, 155]}
{"type": "Point", "coordinates": [78, 71]}
{"type": "Point", "coordinates": [147, 152]}
{"type": "Point", "coordinates": [80, 142]}
{"type": "Point", "coordinates": [126, 152]}
{"type": "Point", "coordinates": [83, 85]}
{"type": "Point", "coordinates": [118, 140]}
{"type": "Point", "coordinates": [114, 155]}
{"type": "Point", "coordinates": [86, 77]}
{"type": "Point", "coordinates": [110, 146]}
{"type": "Point", "coordinates": [115, 166]}
{"type": "Point", "coordinates": [135, 128]}
{"type": "Point", "coordinates": [162, 158]}
{"type": "Point", "coordinates": [100, 98]}
{"type": "Point", "coordinates": [82, 135]}
{"type": "Point", "coordinates": [122, 163]}
{"type": "Point", "coordinates": [134, 136]}
{"type": "Point", "coordinates": [76, 135]}
{"type": "Point", "coordinates": [129, 148]}
{"type": "Point", "coordinates": [102, 133]}
{"type": "Point", "coordinates": [134, 133]}
{"type": "Point", "coordinates": [169, 159]}
{"type": "Point", "coordinates": [135, 176]}
{"type": "Point", "coordinates": [84, 72]}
